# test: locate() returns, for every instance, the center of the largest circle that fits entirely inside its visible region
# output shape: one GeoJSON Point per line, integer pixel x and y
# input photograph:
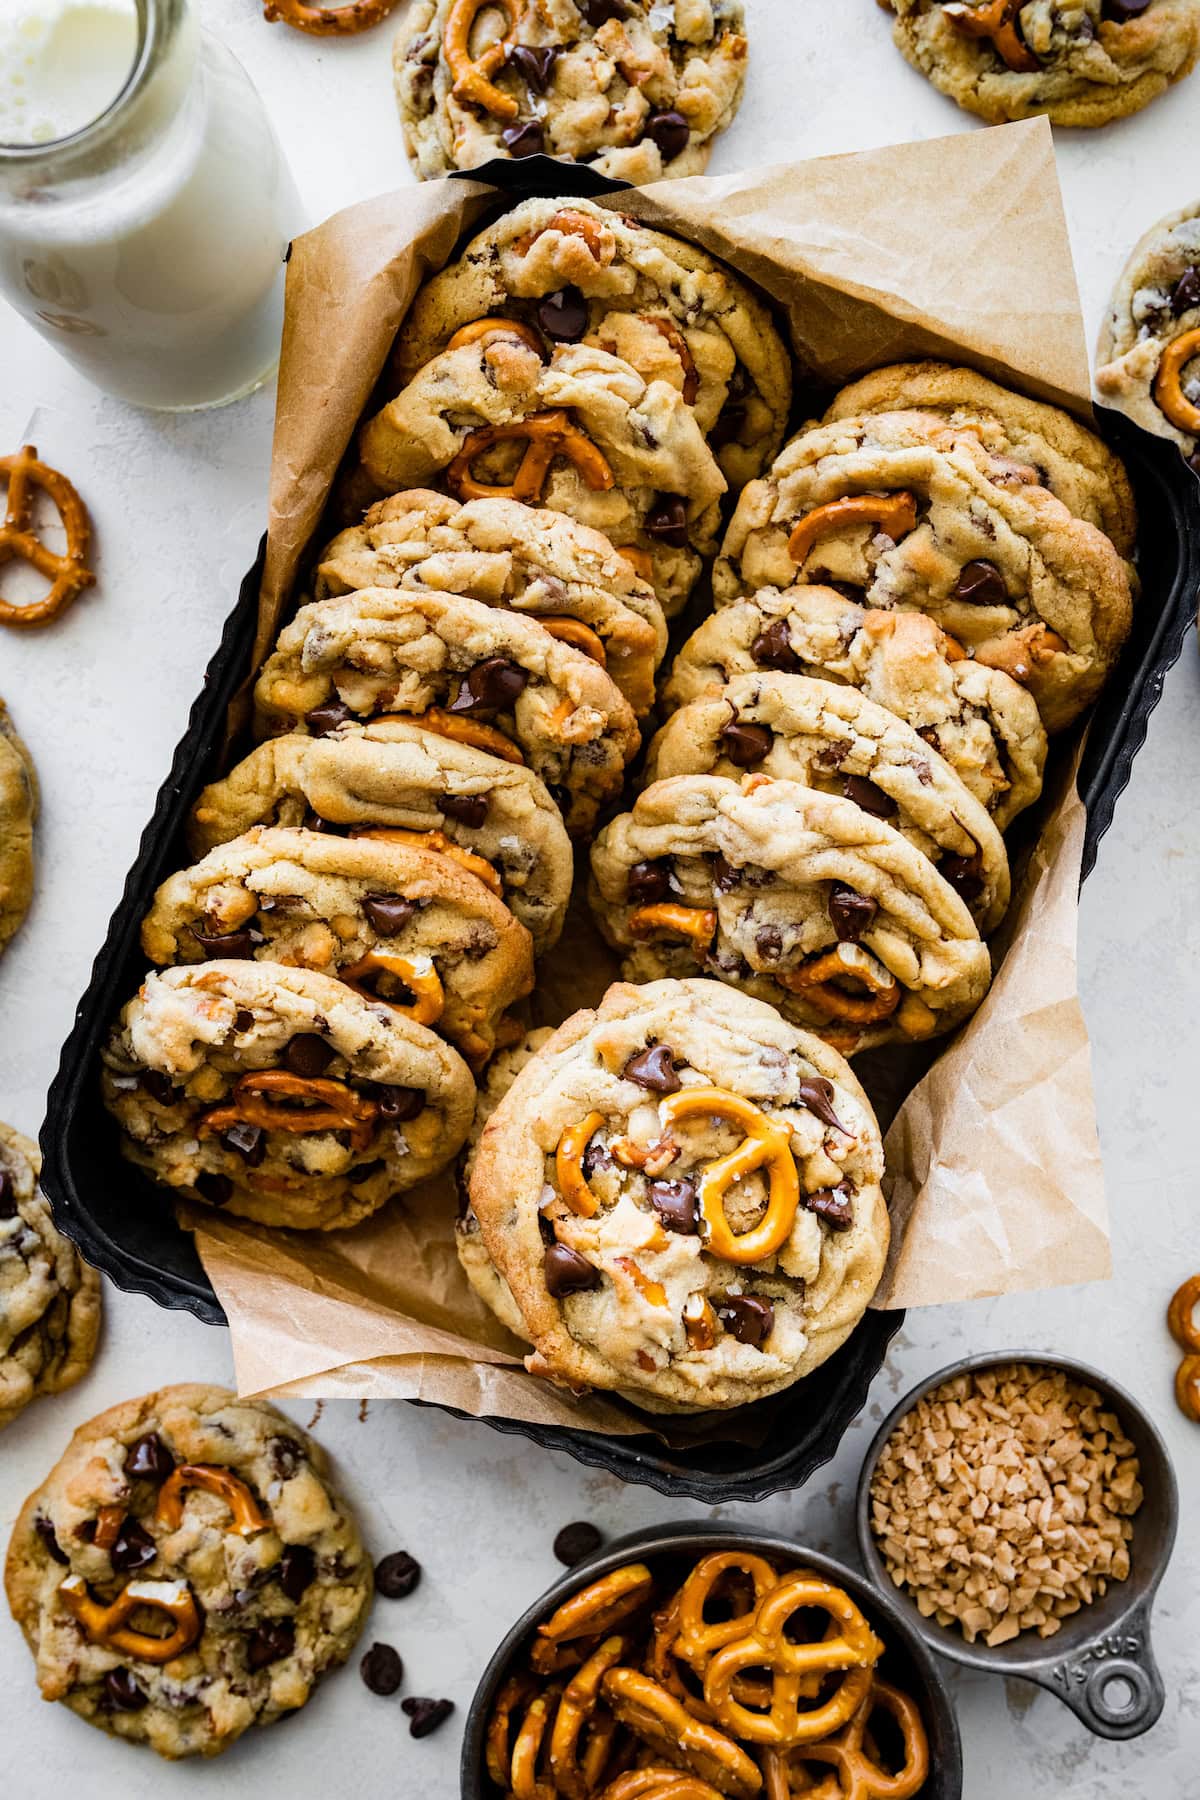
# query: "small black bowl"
{"type": "Point", "coordinates": [673, 1550]}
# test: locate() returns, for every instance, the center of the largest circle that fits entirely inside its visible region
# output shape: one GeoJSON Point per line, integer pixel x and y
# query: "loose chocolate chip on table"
{"type": "Point", "coordinates": [297, 1567]}
{"type": "Point", "coordinates": [382, 1669]}
{"type": "Point", "coordinates": [667, 520]}
{"type": "Point", "coordinates": [233, 944]}
{"type": "Point", "coordinates": [746, 745]}
{"type": "Point", "coordinates": [750, 1321]}
{"type": "Point", "coordinates": [307, 1056]}
{"type": "Point", "coordinates": [675, 1204]}
{"type": "Point", "coordinates": [527, 139]}
{"type": "Point", "coordinates": [327, 717]}
{"type": "Point", "coordinates": [397, 1575]}
{"type": "Point", "coordinates": [872, 799]}
{"type": "Point", "coordinates": [648, 882]}
{"type": "Point", "coordinates": [850, 913]}
{"type": "Point", "coordinates": [1186, 292]}
{"type": "Point", "coordinates": [833, 1205]}
{"type": "Point", "coordinates": [490, 686]}
{"type": "Point", "coordinates": [122, 1691]}
{"type": "Point", "coordinates": [669, 130]}
{"type": "Point", "coordinates": [216, 1189]}
{"type": "Point", "coordinates": [965, 875]}
{"type": "Point", "coordinates": [397, 1104]}
{"type": "Point", "coordinates": [287, 1456]}
{"type": "Point", "coordinates": [772, 649]}
{"type": "Point", "coordinates": [654, 1068]}
{"type": "Point", "coordinates": [133, 1550]}
{"type": "Point", "coordinates": [46, 1532]}
{"type": "Point", "coordinates": [387, 914]}
{"type": "Point", "coordinates": [535, 66]}
{"type": "Point", "coordinates": [8, 1197]}
{"type": "Point", "coordinates": [981, 584]}
{"type": "Point", "coordinates": [250, 1142]}
{"type": "Point", "coordinates": [576, 1541]}
{"type": "Point", "coordinates": [149, 1458]}
{"type": "Point", "coordinates": [468, 809]}
{"type": "Point", "coordinates": [426, 1715]}
{"type": "Point", "coordinates": [567, 1272]}
{"type": "Point", "coordinates": [563, 316]}
{"type": "Point", "coordinates": [270, 1643]}
{"type": "Point", "coordinates": [817, 1094]}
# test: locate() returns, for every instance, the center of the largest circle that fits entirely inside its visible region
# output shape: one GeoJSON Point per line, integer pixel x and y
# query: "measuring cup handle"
{"type": "Point", "coordinates": [1121, 1662]}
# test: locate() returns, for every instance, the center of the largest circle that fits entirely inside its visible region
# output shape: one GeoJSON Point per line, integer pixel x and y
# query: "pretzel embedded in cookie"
{"type": "Point", "coordinates": [67, 571]}
{"type": "Point", "coordinates": [1169, 396]}
{"type": "Point", "coordinates": [820, 979]}
{"type": "Point", "coordinates": [894, 513]}
{"type": "Point", "coordinates": [568, 1166]}
{"type": "Point", "coordinates": [440, 845]}
{"type": "Point", "coordinates": [463, 731]}
{"type": "Point", "coordinates": [997, 21]}
{"type": "Point", "coordinates": [276, 1100]}
{"type": "Point", "coordinates": [473, 75]}
{"type": "Point", "coordinates": [327, 21]}
{"type": "Point", "coordinates": [547, 435]}
{"type": "Point", "coordinates": [571, 224]}
{"type": "Point", "coordinates": [575, 633]}
{"type": "Point", "coordinates": [417, 973]}
{"type": "Point", "coordinates": [108, 1625]}
{"type": "Point", "coordinates": [696, 922]}
{"type": "Point", "coordinates": [766, 1145]}
{"type": "Point", "coordinates": [482, 331]}
{"type": "Point", "coordinates": [248, 1516]}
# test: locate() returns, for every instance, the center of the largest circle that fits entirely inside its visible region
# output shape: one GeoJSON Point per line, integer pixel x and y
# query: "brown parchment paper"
{"type": "Point", "coordinates": [952, 248]}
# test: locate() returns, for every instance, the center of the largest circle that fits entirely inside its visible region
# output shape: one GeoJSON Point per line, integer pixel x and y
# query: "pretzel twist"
{"type": "Point", "coordinates": [568, 1166]}
{"type": "Point", "coordinates": [1181, 1320]}
{"type": "Point", "coordinates": [766, 1145]}
{"type": "Point", "coordinates": [473, 75]}
{"type": "Point", "coordinates": [463, 731]}
{"type": "Point", "coordinates": [1187, 1388]}
{"type": "Point", "coordinates": [516, 1693]}
{"type": "Point", "coordinates": [570, 223]}
{"type": "Point", "coordinates": [640, 561]}
{"type": "Point", "coordinates": [67, 572]}
{"type": "Point", "coordinates": [418, 973]}
{"type": "Point", "coordinates": [547, 435]}
{"type": "Point", "coordinates": [652, 1714]}
{"type": "Point", "coordinates": [860, 1775]}
{"type": "Point", "coordinates": [996, 20]}
{"type": "Point", "coordinates": [600, 1608]}
{"type": "Point", "coordinates": [275, 1100]}
{"type": "Point", "coordinates": [696, 922]}
{"type": "Point", "coordinates": [659, 1781]}
{"type": "Point", "coordinates": [106, 1625]}
{"type": "Point", "coordinates": [896, 513]}
{"type": "Point", "coordinates": [248, 1516]}
{"type": "Point", "coordinates": [1021, 653]}
{"type": "Point", "coordinates": [576, 1710]}
{"type": "Point", "coordinates": [575, 633]}
{"type": "Point", "coordinates": [327, 21]}
{"type": "Point", "coordinates": [817, 982]}
{"type": "Point", "coordinates": [439, 845]}
{"type": "Point", "coordinates": [1169, 396]}
{"type": "Point", "coordinates": [696, 1639]}
{"type": "Point", "coordinates": [482, 331]}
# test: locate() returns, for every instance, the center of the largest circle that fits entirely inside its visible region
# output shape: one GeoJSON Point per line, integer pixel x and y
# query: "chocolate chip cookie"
{"type": "Point", "coordinates": [487, 677]}
{"type": "Point", "coordinates": [573, 271]}
{"type": "Point", "coordinates": [582, 433]}
{"type": "Point", "coordinates": [1149, 351]}
{"type": "Point", "coordinates": [681, 1192]}
{"type": "Point", "coordinates": [414, 927]}
{"type": "Point", "coordinates": [280, 1094]}
{"type": "Point", "coordinates": [397, 775]}
{"type": "Point", "coordinates": [831, 737]}
{"type": "Point", "coordinates": [802, 898]}
{"type": "Point", "coordinates": [524, 558]}
{"type": "Point", "coordinates": [187, 1570]}
{"type": "Point", "coordinates": [909, 512]}
{"type": "Point", "coordinates": [1080, 62]}
{"type": "Point", "coordinates": [18, 811]}
{"type": "Point", "coordinates": [49, 1297]}
{"type": "Point", "coordinates": [635, 88]}
{"type": "Point", "coordinates": [985, 725]}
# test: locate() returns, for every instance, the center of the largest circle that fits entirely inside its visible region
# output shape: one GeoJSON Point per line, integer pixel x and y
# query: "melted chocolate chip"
{"type": "Point", "coordinates": [746, 745]}
{"type": "Point", "coordinates": [850, 913]}
{"type": "Point", "coordinates": [287, 1456]}
{"type": "Point", "coordinates": [426, 1715]}
{"type": "Point", "coordinates": [817, 1095]}
{"type": "Point", "coordinates": [563, 316]}
{"type": "Point", "coordinates": [397, 1105]}
{"type": "Point", "coordinates": [134, 1548]}
{"type": "Point", "coordinates": [491, 686]}
{"type": "Point", "coordinates": [669, 130]}
{"type": "Point", "coordinates": [157, 1086]}
{"type": "Point", "coordinates": [122, 1692]}
{"type": "Point", "coordinates": [468, 809]}
{"type": "Point", "coordinates": [1186, 292]}
{"type": "Point", "coordinates": [527, 138]}
{"type": "Point", "coordinates": [243, 1020]}
{"type": "Point", "coordinates": [749, 1320]}
{"type": "Point", "coordinates": [965, 875]}
{"type": "Point", "coordinates": [270, 1643]}
{"type": "Point", "coordinates": [676, 1205]}
{"type": "Point", "coordinates": [363, 1171]}
{"type": "Point", "coordinates": [216, 1189]}
{"type": "Point", "coordinates": [833, 1205]}
{"type": "Point", "coordinates": [667, 521]}
{"type": "Point", "coordinates": [598, 12]}
{"type": "Point", "coordinates": [233, 944]}
{"type": "Point", "coordinates": [729, 427]}
{"type": "Point", "coordinates": [648, 882]}
{"type": "Point", "coordinates": [387, 914]}
{"type": "Point", "coordinates": [872, 799]}
{"type": "Point", "coordinates": [1121, 11]}
{"type": "Point", "coordinates": [297, 1568]}
{"type": "Point", "coordinates": [397, 1575]}
{"type": "Point", "coordinates": [654, 1068]}
{"type": "Point", "coordinates": [382, 1669]}
{"type": "Point", "coordinates": [327, 717]}
{"type": "Point", "coordinates": [307, 1056]}
{"type": "Point", "coordinates": [576, 1541]}
{"type": "Point", "coordinates": [250, 1142]}
{"type": "Point", "coordinates": [724, 874]}
{"type": "Point", "coordinates": [772, 649]}
{"type": "Point", "coordinates": [8, 1196]}
{"type": "Point", "coordinates": [149, 1459]}
{"type": "Point", "coordinates": [535, 66]}
{"type": "Point", "coordinates": [49, 1537]}
{"type": "Point", "coordinates": [567, 1272]}
{"type": "Point", "coordinates": [594, 1158]}
{"type": "Point", "coordinates": [981, 584]}
{"type": "Point", "coordinates": [768, 941]}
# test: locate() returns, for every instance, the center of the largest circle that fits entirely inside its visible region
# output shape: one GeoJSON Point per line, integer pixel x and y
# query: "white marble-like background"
{"type": "Point", "coordinates": [102, 698]}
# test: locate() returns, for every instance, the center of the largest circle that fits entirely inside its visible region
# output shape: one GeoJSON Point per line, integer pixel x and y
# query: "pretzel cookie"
{"type": "Point", "coordinates": [831, 737]}
{"type": "Point", "coordinates": [573, 271]}
{"type": "Point", "coordinates": [681, 1192]}
{"type": "Point", "coordinates": [802, 898]}
{"type": "Point", "coordinates": [911, 513]}
{"type": "Point", "coordinates": [635, 88]}
{"type": "Point", "coordinates": [395, 775]}
{"type": "Point", "coordinates": [187, 1570]}
{"type": "Point", "coordinates": [581, 433]}
{"type": "Point", "coordinates": [1080, 62]}
{"type": "Point", "coordinates": [18, 812]}
{"type": "Point", "coordinates": [49, 1298]}
{"type": "Point", "coordinates": [487, 677]}
{"type": "Point", "coordinates": [281, 1095]}
{"type": "Point", "coordinates": [1149, 351]}
{"type": "Point", "coordinates": [412, 926]}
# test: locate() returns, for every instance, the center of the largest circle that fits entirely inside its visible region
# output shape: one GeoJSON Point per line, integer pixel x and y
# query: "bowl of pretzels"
{"type": "Point", "coordinates": [702, 1663]}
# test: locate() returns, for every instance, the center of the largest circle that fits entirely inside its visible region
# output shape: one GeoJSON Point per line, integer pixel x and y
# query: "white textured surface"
{"type": "Point", "coordinates": [102, 699]}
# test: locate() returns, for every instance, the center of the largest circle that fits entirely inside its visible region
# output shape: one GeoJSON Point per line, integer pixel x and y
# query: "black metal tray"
{"type": "Point", "coordinates": [120, 1219]}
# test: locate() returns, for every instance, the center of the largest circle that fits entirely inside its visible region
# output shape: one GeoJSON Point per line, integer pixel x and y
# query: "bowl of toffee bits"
{"type": "Point", "coordinates": [1022, 1512]}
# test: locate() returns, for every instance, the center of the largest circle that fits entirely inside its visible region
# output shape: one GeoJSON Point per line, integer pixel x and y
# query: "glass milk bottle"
{"type": "Point", "coordinates": [145, 206]}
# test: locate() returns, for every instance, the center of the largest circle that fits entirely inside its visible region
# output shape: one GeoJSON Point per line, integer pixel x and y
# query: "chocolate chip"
{"type": "Point", "coordinates": [237, 944]}
{"type": "Point", "coordinates": [328, 717]}
{"type": "Point", "coordinates": [1186, 292]}
{"type": "Point", "coordinates": [426, 1715]}
{"type": "Point", "coordinates": [729, 426]}
{"type": "Point", "coordinates": [122, 1692]}
{"type": "Point", "coordinates": [149, 1458]}
{"type": "Point", "coordinates": [535, 66]}
{"type": "Point", "coordinates": [133, 1549]}
{"type": "Point", "coordinates": [85, 1531]}
{"type": "Point", "coordinates": [648, 882]}
{"type": "Point", "coordinates": [669, 130]}
{"type": "Point", "coordinates": [216, 1189]}
{"type": "Point", "coordinates": [965, 875]}
{"type": "Point", "coordinates": [382, 1669]}
{"type": "Point", "coordinates": [981, 584]}
{"type": "Point", "coordinates": [397, 1575]}
{"type": "Point", "coordinates": [676, 1205]}
{"type": "Point", "coordinates": [725, 874]}
{"type": "Point", "coordinates": [387, 914]}
{"type": "Point", "coordinates": [49, 1537]}
{"type": "Point", "coordinates": [768, 941]}
{"type": "Point", "coordinates": [363, 1171]}
{"type": "Point", "coordinates": [594, 1158]}
{"type": "Point", "coordinates": [397, 1105]}
{"type": "Point", "coordinates": [243, 1020]}
{"type": "Point", "coordinates": [667, 521]}
{"type": "Point", "coordinates": [297, 1569]}
{"type": "Point", "coordinates": [250, 1142]}
{"type": "Point", "coordinates": [468, 809]}
{"type": "Point", "coordinates": [491, 686]}
{"type": "Point", "coordinates": [749, 1320]}
{"type": "Point", "coordinates": [563, 316]}
{"type": "Point", "coordinates": [850, 913]}
{"type": "Point", "coordinates": [8, 1196]}
{"type": "Point", "coordinates": [287, 1456]}
{"type": "Point", "coordinates": [654, 1068]}
{"type": "Point", "coordinates": [576, 1541]}
{"type": "Point", "coordinates": [772, 649]}
{"type": "Point", "coordinates": [598, 12]}
{"type": "Point", "coordinates": [1121, 11]}
{"type": "Point", "coordinates": [817, 1095]}
{"type": "Point", "coordinates": [872, 799]}
{"type": "Point", "coordinates": [567, 1272]}
{"type": "Point", "coordinates": [307, 1056]}
{"type": "Point", "coordinates": [524, 139]}
{"type": "Point", "coordinates": [270, 1643]}
{"type": "Point", "coordinates": [746, 745]}
{"type": "Point", "coordinates": [833, 1205]}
